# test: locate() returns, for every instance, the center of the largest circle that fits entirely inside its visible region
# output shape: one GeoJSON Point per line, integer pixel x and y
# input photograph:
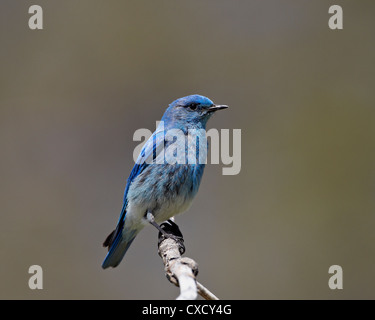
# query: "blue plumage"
{"type": "Point", "coordinates": [158, 185]}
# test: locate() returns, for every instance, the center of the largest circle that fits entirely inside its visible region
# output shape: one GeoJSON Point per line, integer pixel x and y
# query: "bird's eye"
{"type": "Point", "coordinates": [193, 106]}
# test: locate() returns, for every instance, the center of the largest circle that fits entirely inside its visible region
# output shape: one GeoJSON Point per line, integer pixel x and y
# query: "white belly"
{"type": "Point", "coordinates": [135, 214]}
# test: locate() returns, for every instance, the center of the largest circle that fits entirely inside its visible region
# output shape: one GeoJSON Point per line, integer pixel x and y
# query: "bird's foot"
{"type": "Point", "coordinates": [151, 219]}
{"type": "Point", "coordinates": [167, 230]}
{"type": "Point", "coordinates": [172, 231]}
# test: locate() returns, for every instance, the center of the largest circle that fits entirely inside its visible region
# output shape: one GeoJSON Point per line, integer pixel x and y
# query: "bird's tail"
{"type": "Point", "coordinates": [118, 243]}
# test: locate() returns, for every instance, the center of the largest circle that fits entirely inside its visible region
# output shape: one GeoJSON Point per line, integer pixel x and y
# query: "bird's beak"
{"type": "Point", "coordinates": [216, 107]}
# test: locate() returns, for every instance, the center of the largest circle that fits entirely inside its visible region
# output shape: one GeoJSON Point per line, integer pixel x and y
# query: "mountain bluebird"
{"type": "Point", "coordinates": [163, 184]}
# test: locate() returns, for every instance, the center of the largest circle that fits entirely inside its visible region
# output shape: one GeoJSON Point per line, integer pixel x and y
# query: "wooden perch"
{"type": "Point", "coordinates": [181, 271]}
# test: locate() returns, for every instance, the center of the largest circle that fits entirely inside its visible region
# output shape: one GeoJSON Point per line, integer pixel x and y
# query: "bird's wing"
{"type": "Point", "coordinates": [151, 152]}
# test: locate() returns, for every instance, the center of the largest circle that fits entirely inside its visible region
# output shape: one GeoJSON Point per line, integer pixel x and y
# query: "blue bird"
{"type": "Point", "coordinates": [159, 187]}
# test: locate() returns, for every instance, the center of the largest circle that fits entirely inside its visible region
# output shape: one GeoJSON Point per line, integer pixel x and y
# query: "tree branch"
{"type": "Point", "coordinates": [181, 271]}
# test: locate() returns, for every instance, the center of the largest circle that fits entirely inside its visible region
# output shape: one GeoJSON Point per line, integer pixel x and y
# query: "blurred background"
{"type": "Point", "coordinates": [73, 94]}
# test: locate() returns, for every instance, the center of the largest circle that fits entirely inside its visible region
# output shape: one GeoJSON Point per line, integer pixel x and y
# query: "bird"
{"type": "Point", "coordinates": [159, 187]}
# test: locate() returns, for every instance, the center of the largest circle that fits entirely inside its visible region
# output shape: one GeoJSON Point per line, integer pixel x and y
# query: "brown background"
{"type": "Point", "coordinates": [72, 95]}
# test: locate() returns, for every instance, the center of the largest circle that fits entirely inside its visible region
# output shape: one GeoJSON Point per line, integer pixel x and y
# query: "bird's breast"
{"type": "Point", "coordinates": [166, 189]}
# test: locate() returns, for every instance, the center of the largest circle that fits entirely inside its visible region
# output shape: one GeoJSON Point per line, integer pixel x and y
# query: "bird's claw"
{"type": "Point", "coordinates": [172, 231]}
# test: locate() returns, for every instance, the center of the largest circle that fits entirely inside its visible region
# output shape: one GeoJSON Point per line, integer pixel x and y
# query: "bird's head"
{"type": "Point", "coordinates": [193, 110]}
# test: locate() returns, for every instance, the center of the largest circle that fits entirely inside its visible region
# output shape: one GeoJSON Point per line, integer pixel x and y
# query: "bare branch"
{"type": "Point", "coordinates": [181, 271]}
{"type": "Point", "coordinates": [205, 293]}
